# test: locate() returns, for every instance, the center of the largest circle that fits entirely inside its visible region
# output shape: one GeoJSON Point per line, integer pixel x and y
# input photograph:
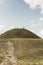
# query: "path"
{"type": "Point", "coordinates": [10, 58]}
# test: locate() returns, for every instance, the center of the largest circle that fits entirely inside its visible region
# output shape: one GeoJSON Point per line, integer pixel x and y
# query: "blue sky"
{"type": "Point", "coordinates": [22, 13]}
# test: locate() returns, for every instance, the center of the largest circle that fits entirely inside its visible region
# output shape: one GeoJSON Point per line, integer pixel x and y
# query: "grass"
{"type": "Point", "coordinates": [3, 49]}
{"type": "Point", "coordinates": [19, 33]}
{"type": "Point", "coordinates": [27, 51]}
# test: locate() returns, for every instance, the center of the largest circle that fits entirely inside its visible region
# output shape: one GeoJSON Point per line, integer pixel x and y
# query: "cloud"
{"type": "Point", "coordinates": [2, 1]}
{"type": "Point", "coordinates": [41, 34]}
{"type": "Point", "coordinates": [41, 19]}
{"type": "Point", "coordinates": [2, 28]}
{"type": "Point", "coordinates": [33, 4]}
{"type": "Point", "coordinates": [12, 26]}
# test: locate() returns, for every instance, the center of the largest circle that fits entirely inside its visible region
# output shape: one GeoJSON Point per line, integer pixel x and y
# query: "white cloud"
{"type": "Point", "coordinates": [12, 26]}
{"type": "Point", "coordinates": [41, 34]}
{"type": "Point", "coordinates": [41, 19]}
{"type": "Point", "coordinates": [2, 1]}
{"type": "Point", "coordinates": [33, 4]}
{"type": "Point", "coordinates": [2, 28]}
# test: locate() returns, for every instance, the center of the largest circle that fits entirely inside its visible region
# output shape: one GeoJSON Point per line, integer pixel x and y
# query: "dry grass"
{"type": "Point", "coordinates": [27, 51]}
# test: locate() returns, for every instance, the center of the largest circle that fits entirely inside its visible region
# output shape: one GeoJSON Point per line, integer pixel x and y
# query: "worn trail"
{"type": "Point", "coordinates": [10, 58]}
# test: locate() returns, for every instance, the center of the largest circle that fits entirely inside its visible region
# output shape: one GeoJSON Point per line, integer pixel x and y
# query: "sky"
{"type": "Point", "coordinates": [26, 14]}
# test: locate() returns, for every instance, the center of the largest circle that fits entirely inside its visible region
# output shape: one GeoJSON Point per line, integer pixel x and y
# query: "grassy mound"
{"type": "Point", "coordinates": [19, 33]}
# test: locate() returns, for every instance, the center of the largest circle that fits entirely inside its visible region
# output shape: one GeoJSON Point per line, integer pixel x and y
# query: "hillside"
{"type": "Point", "coordinates": [25, 51]}
{"type": "Point", "coordinates": [29, 51]}
{"type": "Point", "coordinates": [19, 33]}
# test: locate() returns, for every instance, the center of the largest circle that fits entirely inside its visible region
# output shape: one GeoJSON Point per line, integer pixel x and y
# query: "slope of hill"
{"type": "Point", "coordinates": [29, 50]}
{"type": "Point", "coordinates": [19, 33]}
{"type": "Point", "coordinates": [25, 51]}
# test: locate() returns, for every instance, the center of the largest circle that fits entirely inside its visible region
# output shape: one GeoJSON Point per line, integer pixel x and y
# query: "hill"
{"type": "Point", "coordinates": [19, 33]}
{"type": "Point", "coordinates": [29, 50]}
{"type": "Point", "coordinates": [26, 51]}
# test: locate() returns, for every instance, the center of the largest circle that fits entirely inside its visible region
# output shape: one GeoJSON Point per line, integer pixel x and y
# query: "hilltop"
{"type": "Point", "coordinates": [19, 33]}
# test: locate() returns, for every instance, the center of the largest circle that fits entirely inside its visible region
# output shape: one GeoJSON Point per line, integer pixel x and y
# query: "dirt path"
{"type": "Point", "coordinates": [10, 58]}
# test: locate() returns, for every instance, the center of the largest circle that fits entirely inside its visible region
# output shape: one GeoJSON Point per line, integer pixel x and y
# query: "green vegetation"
{"type": "Point", "coordinates": [19, 33]}
{"type": "Point", "coordinates": [3, 48]}
{"type": "Point", "coordinates": [29, 50]}
{"type": "Point", "coordinates": [28, 47]}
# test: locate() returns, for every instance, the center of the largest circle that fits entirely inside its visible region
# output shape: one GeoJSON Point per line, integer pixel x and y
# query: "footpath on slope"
{"type": "Point", "coordinates": [10, 59]}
